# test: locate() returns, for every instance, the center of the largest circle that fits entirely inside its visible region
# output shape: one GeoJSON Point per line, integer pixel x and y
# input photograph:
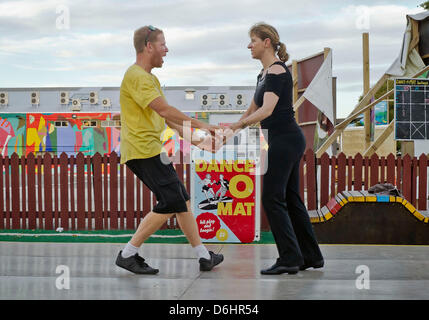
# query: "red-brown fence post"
{"type": "Point", "coordinates": [423, 160]}
{"type": "Point", "coordinates": [31, 188]}
{"type": "Point", "coordinates": [89, 176]}
{"type": "Point", "coordinates": [80, 183]}
{"type": "Point", "coordinates": [391, 166]}
{"type": "Point", "coordinates": [39, 209]}
{"type": "Point", "coordinates": [324, 179]}
{"type": "Point", "coordinates": [23, 202]}
{"type": "Point", "coordinates": [399, 174]}
{"type": "Point", "coordinates": [98, 191]}
{"type": "Point", "coordinates": [407, 175]}
{"type": "Point", "coordinates": [333, 176]}
{"type": "Point", "coordinates": [56, 189]}
{"type": "Point", "coordinates": [130, 199]}
{"type": "Point", "coordinates": [374, 170]}
{"type": "Point", "coordinates": [47, 178]}
{"type": "Point", "coordinates": [14, 163]}
{"type": "Point", "coordinates": [113, 162]}
{"type": "Point", "coordinates": [72, 212]}
{"type": "Point", "coordinates": [311, 179]}
{"type": "Point", "coordinates": [341, 172]}
{"type": "Point", "coordinates": [349, 173]}
{"type": "Point", "coordinates": [357, 185]}
{"type": "Point", "coordinates": [366, 173]}
{"type": "Point", "coordinates": [64, 200]}
{"type": "Point", "coordinates": [105, 173]}
{"type": "Point", "coordinates": [414, 171]}
{"type": "Point", "coordinates": [382, 169]}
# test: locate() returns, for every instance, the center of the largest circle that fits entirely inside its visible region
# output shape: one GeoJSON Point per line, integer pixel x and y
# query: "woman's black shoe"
{"type": "Point", "coordinates": [277, 268]}
{"type": "Point", "coordinates": [315, 265]}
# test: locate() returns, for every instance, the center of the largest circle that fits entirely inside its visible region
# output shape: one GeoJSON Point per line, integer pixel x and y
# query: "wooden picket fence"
{"type": "Point", "coordinates": [97, 193]}
{"type": "Point", "coordinates": [341, 173]}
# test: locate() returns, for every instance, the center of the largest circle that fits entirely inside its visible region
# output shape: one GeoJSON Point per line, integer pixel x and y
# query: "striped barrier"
{"type": "Point", "coordinates": [334, 206]}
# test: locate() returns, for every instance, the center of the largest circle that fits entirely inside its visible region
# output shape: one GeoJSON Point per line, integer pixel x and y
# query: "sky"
{"type": "Point", "coordinates": [47, 43]}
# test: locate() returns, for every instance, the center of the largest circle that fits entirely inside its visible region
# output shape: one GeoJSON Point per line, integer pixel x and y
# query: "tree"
{"type": "Point", "coordinates": [425, 5]}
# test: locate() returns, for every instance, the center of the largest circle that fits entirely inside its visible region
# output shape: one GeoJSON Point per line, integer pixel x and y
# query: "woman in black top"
{"type": "Point", "coordinates": [272, 106]}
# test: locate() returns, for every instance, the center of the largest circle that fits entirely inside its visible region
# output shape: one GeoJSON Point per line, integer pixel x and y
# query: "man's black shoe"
{"type": "Point", "coordinates": [277, 268]}
{"type": "Point", "coordinates": [135, 264]}
{"type": "Point", "coordinates": [315, 265]}
{"type": "Point", "coordinates": [207, 265]}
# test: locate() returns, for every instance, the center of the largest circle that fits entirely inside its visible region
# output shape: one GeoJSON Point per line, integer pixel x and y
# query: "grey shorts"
{"type": "Point", "coordinates": [163, 181]}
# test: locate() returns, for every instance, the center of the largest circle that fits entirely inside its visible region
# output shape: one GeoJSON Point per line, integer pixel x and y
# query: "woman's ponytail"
{"type": "Point", "coordinates": [282, 53]}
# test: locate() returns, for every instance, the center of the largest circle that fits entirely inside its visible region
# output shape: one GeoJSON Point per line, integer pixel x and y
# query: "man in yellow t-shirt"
{"type": "Point", "coordinates": [144, 113]}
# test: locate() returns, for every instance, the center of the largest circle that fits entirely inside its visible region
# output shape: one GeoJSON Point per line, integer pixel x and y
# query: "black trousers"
{"type": "Point", "coordinates": [287, 215]}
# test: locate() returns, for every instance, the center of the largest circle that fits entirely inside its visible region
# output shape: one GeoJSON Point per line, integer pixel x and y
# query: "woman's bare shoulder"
{"type": "Point", "coordinates": [276, 69]}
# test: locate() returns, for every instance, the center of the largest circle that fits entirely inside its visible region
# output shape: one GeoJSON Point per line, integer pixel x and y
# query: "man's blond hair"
{"type": "Point", "coordinates": [141, 37]}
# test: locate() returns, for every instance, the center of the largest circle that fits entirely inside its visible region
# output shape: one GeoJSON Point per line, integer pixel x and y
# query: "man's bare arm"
{"type": "Point", "coordinates": [209, 142]}
{"type": "Point", "coordinates": [173, 115]}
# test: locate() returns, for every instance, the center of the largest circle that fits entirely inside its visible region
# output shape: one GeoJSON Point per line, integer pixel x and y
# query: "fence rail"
{"type": "Point", "coordinates": [97, 192]}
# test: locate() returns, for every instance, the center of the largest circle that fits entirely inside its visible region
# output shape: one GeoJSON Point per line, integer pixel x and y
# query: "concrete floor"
{"type": "Point", "coordinates": [28, 271]}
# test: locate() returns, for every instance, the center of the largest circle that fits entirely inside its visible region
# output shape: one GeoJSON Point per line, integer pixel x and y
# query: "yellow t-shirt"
{"type": "Point", "coordinates": [141, 126]}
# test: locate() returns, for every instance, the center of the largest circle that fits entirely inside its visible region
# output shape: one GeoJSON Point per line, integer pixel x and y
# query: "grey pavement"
{"type": "Point", "coordinates": [34, 270]}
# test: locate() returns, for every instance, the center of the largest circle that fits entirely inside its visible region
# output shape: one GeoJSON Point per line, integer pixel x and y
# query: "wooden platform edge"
{"type": "Point", "coordinates": [334, 206]}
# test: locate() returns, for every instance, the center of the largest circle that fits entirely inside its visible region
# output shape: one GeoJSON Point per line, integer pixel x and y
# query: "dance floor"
{"type": "Point", "coordinates": [68, 271]}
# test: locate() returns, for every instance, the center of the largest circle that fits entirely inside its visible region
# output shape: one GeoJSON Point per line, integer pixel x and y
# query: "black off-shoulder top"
{"type": "Point", "coordinates": [283, 117]}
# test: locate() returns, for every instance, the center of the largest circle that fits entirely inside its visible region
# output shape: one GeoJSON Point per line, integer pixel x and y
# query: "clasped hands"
{"type": "Point", "coordinates": [217, 137]}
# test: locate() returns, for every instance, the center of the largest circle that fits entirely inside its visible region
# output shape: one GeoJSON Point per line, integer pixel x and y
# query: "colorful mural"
{"type": "Point", "coordinates": [12, 134]}
{"type": "Point", "coordinates": [70, 133]}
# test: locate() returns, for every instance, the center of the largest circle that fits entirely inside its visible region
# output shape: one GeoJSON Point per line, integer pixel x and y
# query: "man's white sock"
{"type": "Point", "coordinates": [129, 250]}
{"type": "Point", "coordinates": [202, 252]}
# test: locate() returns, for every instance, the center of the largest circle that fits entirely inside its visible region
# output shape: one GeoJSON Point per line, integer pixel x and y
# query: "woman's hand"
{"type": "Point", "coordinates": [236, 126]}
{"type": "Point", "coordinates": [210, 128]}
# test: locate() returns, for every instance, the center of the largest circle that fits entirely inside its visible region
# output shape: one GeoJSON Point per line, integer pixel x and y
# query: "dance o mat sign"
{"type": "Point", "coordinates": [223, 196]}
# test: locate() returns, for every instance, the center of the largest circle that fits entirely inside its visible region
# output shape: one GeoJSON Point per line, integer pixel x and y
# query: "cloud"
{"type": "Point", "coordinates": [26, 9]}
{"type": "Point", "coordinates": [207, 39]}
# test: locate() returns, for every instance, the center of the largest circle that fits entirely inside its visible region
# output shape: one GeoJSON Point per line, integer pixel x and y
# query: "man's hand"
{"type": "Point", "coordinates": [210, 128]}
{"type": "Point", "coordinates": [212, 142]}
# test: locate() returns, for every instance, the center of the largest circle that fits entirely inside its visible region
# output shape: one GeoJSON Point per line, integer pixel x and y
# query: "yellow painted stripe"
{"type": "Point", "coordinates": [314, 220]}
{"type": "Point", "coordinates": [418, 215]}
{"type": "Point", "coordinates": [328, 216]}
{"type": "Point", "coordinates": [392, 199]}
{"type": "Point", "coordinates": [371, 199]}
{"type": "Point", "coordinates": [410, 207]}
